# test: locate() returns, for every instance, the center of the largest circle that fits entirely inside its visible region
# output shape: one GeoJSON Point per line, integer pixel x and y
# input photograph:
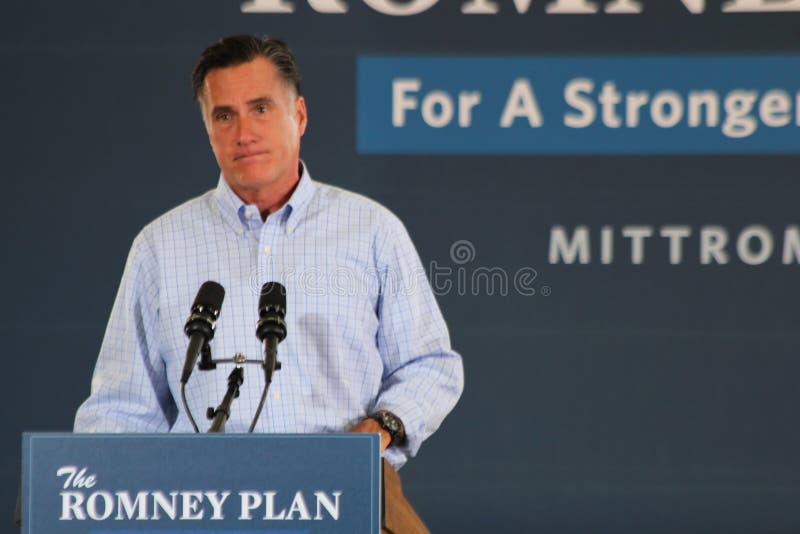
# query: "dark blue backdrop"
{"type": "Point", "coordinates": [619, 398]}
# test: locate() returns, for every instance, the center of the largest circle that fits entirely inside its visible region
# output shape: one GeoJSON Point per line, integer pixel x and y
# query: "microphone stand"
{"type": "Point", "coordinates": [271, 363]}
{"type": "Point", "coordinates": [206, 362]}
{"type": "Point", "coordinates": [220, 416]}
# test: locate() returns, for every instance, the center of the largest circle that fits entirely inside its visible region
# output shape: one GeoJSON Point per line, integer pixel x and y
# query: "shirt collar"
{"type": "Point", "coordinates": [302, 193]}
{"type": "Point", "coordinates": [233, 209]}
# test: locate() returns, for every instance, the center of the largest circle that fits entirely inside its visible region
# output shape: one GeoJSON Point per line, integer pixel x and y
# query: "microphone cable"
{"type": "Point", "coordinates": [186, 408]}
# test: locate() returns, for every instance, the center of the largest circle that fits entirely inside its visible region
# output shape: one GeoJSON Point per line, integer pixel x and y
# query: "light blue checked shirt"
{"type": "Point", "coordinates": [364, 330]}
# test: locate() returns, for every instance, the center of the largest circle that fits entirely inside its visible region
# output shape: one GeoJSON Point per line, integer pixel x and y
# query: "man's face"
{"type": "Point", "coordinates": [254, 122]}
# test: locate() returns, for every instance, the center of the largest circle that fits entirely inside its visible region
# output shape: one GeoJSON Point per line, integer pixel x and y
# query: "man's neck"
{"type": "Point", "coordinates": [269, 199]}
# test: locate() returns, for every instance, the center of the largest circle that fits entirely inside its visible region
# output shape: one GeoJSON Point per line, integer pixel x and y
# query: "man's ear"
{"type": "Point", "coordinates": [301, 114]}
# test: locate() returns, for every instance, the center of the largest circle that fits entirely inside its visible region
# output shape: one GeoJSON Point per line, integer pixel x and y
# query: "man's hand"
{"type": "Point", "coordinates": [371, 426]}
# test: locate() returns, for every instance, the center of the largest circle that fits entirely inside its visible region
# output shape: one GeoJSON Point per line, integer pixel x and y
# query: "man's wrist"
{"type": "Point", "coordinates": [392, 425]}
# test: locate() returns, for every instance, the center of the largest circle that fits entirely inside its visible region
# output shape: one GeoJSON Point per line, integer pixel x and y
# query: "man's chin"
{"type": "Point", "coordinates": [254, 181]}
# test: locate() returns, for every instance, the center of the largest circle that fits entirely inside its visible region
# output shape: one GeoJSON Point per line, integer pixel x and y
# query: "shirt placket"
{"type": "Point", "coordinates": [269, 243]}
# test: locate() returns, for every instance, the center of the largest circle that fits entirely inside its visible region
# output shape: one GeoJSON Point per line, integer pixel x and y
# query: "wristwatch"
{"type": "Point", "coordinates": [391, 424]}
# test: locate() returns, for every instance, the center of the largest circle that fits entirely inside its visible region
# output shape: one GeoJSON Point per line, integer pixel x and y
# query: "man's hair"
{"type": "Point", "coordinates": [238, 49]}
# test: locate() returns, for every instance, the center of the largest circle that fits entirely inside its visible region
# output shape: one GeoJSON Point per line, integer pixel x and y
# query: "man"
{"type": "Point", "coordinates": [367, 349]}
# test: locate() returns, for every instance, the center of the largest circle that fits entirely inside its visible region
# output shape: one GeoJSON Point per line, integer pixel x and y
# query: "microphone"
{"type": "Point", "coordinates": [271, 327]}
{"type": "Point", "coordinates": [270, 330]}
{"type": "Point", "coordinates": [200, 325]}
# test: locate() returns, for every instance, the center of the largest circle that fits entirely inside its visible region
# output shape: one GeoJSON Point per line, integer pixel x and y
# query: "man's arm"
{"type": "Point", "coordinates": [129, 387]}
{"type": "Point", "coordinates": [423, 377]}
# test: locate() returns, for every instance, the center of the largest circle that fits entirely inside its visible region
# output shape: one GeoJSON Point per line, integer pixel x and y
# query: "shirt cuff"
{"type": "Point", "coordinates": [414, 425]}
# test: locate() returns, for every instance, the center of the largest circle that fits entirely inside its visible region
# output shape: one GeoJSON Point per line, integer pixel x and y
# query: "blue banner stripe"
{"type": "Point", "coordinates": [578, 105]}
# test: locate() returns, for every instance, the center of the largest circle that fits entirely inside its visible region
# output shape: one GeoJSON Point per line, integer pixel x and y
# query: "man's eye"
{"type": "Point", "coordinates": [223, 117]}
{"type": "Point", "coordinates": [261, 108]}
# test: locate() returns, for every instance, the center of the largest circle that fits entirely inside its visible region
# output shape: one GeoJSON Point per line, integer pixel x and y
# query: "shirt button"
{"type": "Point", "coordinates": [276, 396]}
{"type": "Point", "coordinates": [291, 229]}
{"type": "Point", "coordinates": [239, 231]}
{"type": "Point", "coordinates": [267, 250]}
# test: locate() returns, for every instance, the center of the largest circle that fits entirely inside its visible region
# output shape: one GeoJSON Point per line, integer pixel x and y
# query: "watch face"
{"type": "Point", "coordinates": [388, 423]}
{"type": "Point", "coordinates": [391, 422]}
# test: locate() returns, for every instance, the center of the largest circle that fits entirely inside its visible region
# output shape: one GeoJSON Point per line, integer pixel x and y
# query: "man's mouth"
{"type": "Point", "coordinates": [245, 155]}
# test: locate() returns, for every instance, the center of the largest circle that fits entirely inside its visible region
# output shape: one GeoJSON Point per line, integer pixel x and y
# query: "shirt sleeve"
{"type": "Point", "coordinates": [129, 390]}
{"type": "Point", "coordinates": [423, 377]}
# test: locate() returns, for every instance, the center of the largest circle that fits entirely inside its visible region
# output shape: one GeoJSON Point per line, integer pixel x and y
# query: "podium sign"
{"type": "Point", "coordinates": [187, 483]}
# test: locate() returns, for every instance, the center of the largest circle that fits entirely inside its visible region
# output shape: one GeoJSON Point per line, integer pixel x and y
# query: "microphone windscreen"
{"type": "Point", "coordinates": [210, 296]}
{"type": "Point", "coordinates": [273, 295]}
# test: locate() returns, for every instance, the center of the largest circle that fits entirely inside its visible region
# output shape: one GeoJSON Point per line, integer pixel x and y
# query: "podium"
{"type": "Point", "coordinates": [224, 484]}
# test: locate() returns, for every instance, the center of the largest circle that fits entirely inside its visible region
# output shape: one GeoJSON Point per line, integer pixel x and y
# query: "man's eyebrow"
{"type": "Point", "coordinates": [221, 109]}
{"type": "Point", "coordinates": [264, 100]}
{"type": "Point", "coordinates": [260, 100]}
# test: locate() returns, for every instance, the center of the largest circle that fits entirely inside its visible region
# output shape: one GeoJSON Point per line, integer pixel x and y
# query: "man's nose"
{"type": "Point", "coordinates": [245, 133]}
